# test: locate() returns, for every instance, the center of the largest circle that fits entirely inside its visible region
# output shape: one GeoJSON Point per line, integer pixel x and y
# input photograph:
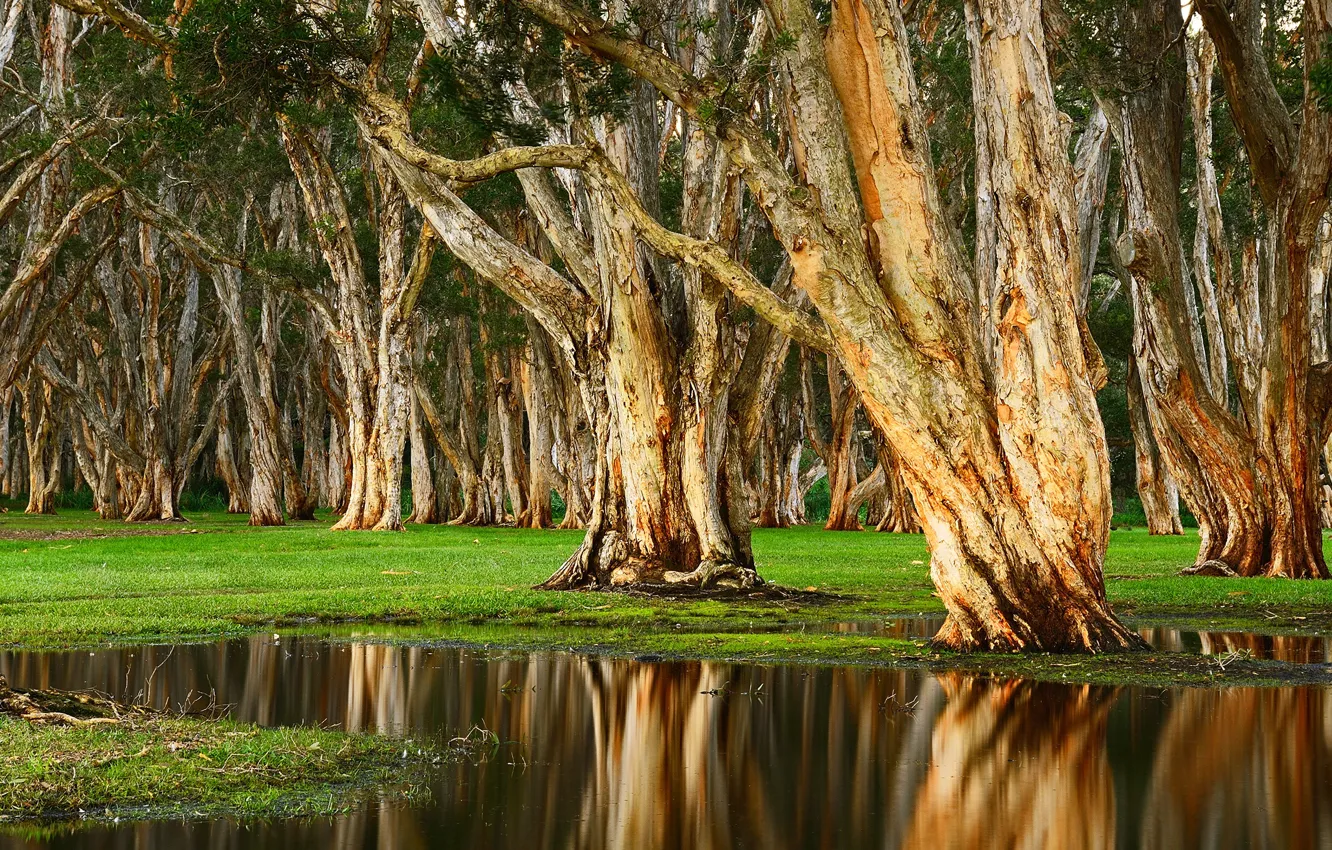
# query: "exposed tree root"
{"type": "Point", "coordinates": [1078, 634]}
{"type": "Point", "coordinates": [62, 708]}
{"type": "Point", "coordinates": [1215, 568]}
{"type": "Point", "coordinates": [611, 561]}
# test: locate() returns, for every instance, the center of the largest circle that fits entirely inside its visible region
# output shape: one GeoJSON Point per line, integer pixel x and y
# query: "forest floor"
{"type": "Point", "coordinates": [73, 580]}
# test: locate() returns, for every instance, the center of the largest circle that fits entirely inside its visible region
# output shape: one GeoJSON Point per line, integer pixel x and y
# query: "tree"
{"type": "Point", "coordinates": [1248, 475]}
{"type": "Point", "coordinates": [981, 383]}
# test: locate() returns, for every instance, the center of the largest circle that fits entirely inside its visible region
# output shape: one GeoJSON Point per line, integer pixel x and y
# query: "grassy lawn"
{"type": "Point", "coordinates": [73, 580]}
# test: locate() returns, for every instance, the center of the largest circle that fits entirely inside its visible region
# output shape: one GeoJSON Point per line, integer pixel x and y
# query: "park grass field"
{"type": "Point", "coordinates": [74, 580]}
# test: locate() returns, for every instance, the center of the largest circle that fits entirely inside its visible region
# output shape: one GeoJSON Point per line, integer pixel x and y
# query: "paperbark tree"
{"type": "Point", "coordinates": [1250, 479]}
{"type": "Point", "coordinates": [1001, 445]}
{"type": "Point", "coordinates": [1156, 486]}
{"type": "Point", "coordinates": [669, 497]}
{"type": "Point", "coordinates": [840, 450]}
{"type": "Point", "coordinates": [372, 344]}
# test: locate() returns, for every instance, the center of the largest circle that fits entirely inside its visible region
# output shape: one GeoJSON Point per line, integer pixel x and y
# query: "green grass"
{"type": "Point", "coordinates": [73, 580]}
{"type": "Point", "coordinates": [167, 766]}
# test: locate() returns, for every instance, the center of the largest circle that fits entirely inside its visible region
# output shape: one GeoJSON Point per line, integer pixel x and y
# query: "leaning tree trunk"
{"type": "Point", "coordinates": [1017, 530]}
{"type": "Point", "coordinates": [1250, 480]}
{"type": "Point", "coordinates": [1156, 487]}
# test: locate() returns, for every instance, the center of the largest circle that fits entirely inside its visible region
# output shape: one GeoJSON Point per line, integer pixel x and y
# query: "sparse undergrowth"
{"type": "Point", "coordinates": [68, 756]}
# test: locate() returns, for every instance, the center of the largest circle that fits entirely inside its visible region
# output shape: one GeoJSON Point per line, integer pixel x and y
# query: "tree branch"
{"type": "Point", "coordinates": [92, 412]}
{"type": "Point", "coordinates": [129, 22]}
{"type": "Point", "coordinates": [1268, 133]}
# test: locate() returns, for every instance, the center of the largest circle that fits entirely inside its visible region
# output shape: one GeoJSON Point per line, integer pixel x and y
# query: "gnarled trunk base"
{"type": "Point", "coordinates": [612, 560]}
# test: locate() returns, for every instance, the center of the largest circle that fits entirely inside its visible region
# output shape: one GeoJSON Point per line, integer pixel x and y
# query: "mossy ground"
{"type": "Point", "coordinates": [74, 580]}
{"type": "Point", "coordinates": [151, 764]}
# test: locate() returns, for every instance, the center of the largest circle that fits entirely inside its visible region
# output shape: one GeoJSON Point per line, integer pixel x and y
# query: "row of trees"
{"type": "Point", "coordinates": [635, 254]}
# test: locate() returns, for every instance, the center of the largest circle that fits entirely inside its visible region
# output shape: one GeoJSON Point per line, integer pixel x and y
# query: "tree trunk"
{"type": "Point", "coordinates": [1251, 482]}
{"type": "Point", "coordinates": [227, 469]}
{"type": "Point", "coordinates": [425, 498]}
{"type": "Point", "coordinates": [1156, 488]}
{"type": "Point", "coordinates": [541, 403]}
{"type": "Point", "coordinates": [671, 504]}
{"type": "Point", "coordinates": [40, 437]}
{"type": "Point", "coordinates": [841, 455]}
{"type": "Point", "coordinates": [899, 514]}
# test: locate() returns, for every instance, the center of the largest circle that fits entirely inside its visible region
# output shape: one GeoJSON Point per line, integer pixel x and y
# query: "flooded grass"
{"type": "Point", "coordinates": [74, 580]}
{"type": "Point", "coordinates": [142, 763]}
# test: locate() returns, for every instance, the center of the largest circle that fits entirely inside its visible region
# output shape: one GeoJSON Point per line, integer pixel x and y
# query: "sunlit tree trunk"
{"type": "Point", "coordinates": [972, 395]}
{"type": "Point", "coordinates": [373, 345]}
{"type": "Point", "coordinates": [1250, 479]}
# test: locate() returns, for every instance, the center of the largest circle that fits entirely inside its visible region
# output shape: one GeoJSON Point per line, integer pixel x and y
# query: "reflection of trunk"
{"type": "Point", "coordinates": [1221, 752]}
{"type": "Point", "coordinates": [1017, 764]}
{"type": "Point", "coordinates": [1156, 488]}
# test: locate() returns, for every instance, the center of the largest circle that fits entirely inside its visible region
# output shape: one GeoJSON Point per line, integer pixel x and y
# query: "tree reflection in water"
{"type": "Point", "coordinates": [617, 754]}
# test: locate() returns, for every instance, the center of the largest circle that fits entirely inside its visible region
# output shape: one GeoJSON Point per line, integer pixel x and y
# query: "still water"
{"type": "Point", "coordinates": [626, 754]}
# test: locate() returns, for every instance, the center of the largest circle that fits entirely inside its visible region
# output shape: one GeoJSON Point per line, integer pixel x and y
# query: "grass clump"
{"type": "Point", "coordinates": [68, 756]}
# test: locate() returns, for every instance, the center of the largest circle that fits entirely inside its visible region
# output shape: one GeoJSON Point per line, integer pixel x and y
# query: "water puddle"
{"type": "Point", "coordinates": [613, 753]}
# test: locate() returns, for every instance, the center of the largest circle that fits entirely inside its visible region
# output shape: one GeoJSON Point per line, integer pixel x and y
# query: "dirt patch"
{"type": "Point", "coordinates": [765, 593]}
{"type": "Point", "coordinates": [93, 533]}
